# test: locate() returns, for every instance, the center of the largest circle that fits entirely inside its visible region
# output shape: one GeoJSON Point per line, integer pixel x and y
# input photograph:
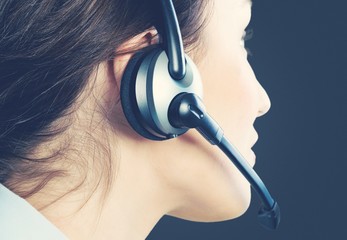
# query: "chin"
{"type": "Point", "coordinates": [215, 211]}
{"type": "Point", "coordinates": [232, 210]}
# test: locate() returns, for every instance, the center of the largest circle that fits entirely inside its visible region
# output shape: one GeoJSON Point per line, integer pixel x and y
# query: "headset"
{"type": "Point", "coordinates": [161, 92]}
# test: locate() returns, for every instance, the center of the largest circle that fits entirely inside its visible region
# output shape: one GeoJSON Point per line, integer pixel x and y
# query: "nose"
{"type": "Point", "coordinates": [264, 102]}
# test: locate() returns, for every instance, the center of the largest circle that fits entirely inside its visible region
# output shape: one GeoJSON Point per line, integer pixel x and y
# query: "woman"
{"type": "Point", "coordinates": [70, 164]}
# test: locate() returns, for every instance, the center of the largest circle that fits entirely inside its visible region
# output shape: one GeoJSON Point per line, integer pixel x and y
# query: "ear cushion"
{"type": "Point", "coordinates": [127, 93]}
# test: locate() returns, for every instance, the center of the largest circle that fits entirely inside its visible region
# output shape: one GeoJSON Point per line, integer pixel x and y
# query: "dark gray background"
{"type": "Point", "coordinates": [299, 56]}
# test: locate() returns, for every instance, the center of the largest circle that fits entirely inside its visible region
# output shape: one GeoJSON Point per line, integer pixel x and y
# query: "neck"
{"type": "Point", "coordinates": [136, 202]}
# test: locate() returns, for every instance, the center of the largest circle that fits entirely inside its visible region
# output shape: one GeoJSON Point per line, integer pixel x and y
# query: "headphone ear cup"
{"type": "Point", "coordinates": [128, 96]}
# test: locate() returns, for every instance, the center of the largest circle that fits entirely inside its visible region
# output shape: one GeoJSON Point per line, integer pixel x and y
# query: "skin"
{"type": "Point", "coordinates": [184, 177]}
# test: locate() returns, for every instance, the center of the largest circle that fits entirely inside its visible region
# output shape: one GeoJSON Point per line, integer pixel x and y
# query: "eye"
{"type": "Point", "coordinates": [247, 35]}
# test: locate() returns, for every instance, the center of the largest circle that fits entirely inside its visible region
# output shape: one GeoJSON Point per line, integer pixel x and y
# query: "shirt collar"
{"type": "Point", "coordinates": [21, 221]}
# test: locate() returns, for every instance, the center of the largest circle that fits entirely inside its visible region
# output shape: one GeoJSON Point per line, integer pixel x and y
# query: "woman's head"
{"type": "Point", "coordinates": [61, 124]}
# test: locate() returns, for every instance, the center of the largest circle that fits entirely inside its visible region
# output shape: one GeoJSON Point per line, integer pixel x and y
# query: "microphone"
{"type": "Point", "coordinates": [188, 111]}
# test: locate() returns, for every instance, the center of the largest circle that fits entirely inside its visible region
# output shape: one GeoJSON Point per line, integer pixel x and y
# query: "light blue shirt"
{"type": "Point", "coordinates": [21, 221]}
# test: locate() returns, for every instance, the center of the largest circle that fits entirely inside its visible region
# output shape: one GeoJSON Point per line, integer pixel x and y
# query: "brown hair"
{"type": "Point", "coordinates": [48, 50]}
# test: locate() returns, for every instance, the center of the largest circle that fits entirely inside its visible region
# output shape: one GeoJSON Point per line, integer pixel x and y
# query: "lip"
{"type": "Point", "coordinates": [254, 157]}
{"type": "Point", "coordinates": [255, 139]}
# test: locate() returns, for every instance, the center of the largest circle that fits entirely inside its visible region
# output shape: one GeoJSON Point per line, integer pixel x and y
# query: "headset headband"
{"type": "Point", "coordinates": [173, 44]}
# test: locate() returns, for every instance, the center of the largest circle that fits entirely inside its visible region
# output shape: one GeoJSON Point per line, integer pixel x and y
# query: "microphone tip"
{"type": "Point", "coordinates": [270, 218]}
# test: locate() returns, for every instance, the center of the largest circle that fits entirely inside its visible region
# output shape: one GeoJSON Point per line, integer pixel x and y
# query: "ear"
{"type": "Point", "coordinates": [138, 42]}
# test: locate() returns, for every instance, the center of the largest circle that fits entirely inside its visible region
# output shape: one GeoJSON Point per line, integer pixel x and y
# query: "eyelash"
{"type": "Point", "coordinates": [248, 35]}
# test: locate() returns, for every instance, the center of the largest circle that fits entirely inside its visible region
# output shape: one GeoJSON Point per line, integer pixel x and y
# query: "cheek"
{"type": "Point", "coordinates": [230, 93]}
